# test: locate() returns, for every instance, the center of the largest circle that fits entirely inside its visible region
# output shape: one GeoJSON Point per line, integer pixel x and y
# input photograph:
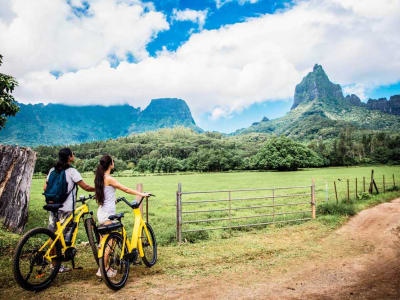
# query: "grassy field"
{"type": "Point", "coordinates": [162, 210]}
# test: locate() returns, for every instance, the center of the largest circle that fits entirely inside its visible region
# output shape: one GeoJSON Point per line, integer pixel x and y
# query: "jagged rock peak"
{"type": "Point", "coordinates": [265, 119]}
{"type": "Point", "coordinates": [316, 85]}
{"type": "Point", "coordinates": [353, 99]}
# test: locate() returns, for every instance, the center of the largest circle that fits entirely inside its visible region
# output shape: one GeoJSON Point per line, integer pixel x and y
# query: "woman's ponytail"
{"type": "Point", "coordinates": [103, 166]}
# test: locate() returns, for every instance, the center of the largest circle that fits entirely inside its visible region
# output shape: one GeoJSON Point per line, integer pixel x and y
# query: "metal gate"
{"type": "Point", "coordinates": [227, 209]}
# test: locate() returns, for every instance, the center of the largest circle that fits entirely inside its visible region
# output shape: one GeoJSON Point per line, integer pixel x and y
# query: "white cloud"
{"type": "Point", "coordinates": [220, 3]}
{"type": "Point", "coordinates": [46, 35]}
{"type": "Point", "coordinates": [195, 16]}
{"type": "Point", "coordinates": [357, 89]}
{"type": "Point", "coordinates": [215, 71]}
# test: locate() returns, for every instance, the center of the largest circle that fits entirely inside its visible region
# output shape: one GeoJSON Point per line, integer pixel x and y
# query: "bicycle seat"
{"type": "Point", "coordinates": [117, 216]}
{"type": "Point", "coordinates": [53, 207]}
{"type": "Point", "coordinates": [102, 229]}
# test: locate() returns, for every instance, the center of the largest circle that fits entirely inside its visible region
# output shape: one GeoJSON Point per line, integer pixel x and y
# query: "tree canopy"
{"type": "Point", "coordinates": [8, 105]}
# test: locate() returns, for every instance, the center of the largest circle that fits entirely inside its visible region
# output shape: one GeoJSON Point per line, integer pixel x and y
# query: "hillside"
{"type": "Point", "coordinates": [320, 110]}
{"type": "Point", "coordinates": [56, 124]}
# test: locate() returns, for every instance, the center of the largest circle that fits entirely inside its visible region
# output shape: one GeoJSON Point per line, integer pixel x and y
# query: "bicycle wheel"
{"type": "Point", "coordinates": [31, 270]}
{"type": "Point", "coordinates": [150, 252]}
{"type": "Point", "coordinates": [114, 270]}
{"type": "Point", "coordinates": [93, 237]}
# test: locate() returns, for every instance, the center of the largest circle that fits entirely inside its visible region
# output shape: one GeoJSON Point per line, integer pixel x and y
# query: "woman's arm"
{"type": "Point", "coordinates": [114, 183]}
{"type": "Point", "coordinates": [85, 186]}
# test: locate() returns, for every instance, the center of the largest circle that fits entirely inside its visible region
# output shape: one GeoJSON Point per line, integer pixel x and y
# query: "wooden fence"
{"type": "Point", "coordinates": [227, 207]}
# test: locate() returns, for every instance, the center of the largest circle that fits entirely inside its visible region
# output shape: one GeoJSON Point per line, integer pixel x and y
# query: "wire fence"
{"type": "Point", "coordinates": [354, 188]}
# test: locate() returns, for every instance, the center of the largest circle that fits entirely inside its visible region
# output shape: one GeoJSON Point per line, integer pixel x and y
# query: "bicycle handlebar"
{"type": "Point", "coordinates": [82, 198]}
{"type": "Point", "coordinates": [133, 203]}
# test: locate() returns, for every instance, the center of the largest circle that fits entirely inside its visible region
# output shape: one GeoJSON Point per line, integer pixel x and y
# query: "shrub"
{"type": "Point", "coordinates": [342, 209]}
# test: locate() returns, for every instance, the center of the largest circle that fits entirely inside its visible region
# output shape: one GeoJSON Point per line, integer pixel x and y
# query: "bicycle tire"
{"type": "Point", "coordinates": [115, 261]}
{"type": "Point", "coordinates": [19, 278]}
{"type": "Point", "coordinates": [93, 237]}
{"type": "Point", "coordinates": [152, 259]}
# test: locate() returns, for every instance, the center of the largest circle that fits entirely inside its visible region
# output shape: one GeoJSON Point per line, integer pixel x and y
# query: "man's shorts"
{"type": "Point", "coordinates": [62, 216]}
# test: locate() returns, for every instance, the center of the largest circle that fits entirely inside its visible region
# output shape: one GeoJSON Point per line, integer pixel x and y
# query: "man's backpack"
{"type": "Point", "coordinates": [57, 188]}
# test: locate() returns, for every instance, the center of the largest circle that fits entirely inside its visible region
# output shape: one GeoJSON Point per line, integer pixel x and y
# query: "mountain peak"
{"type": "Point", "coordinates": [318, 68]}
{"type": "Point", "coordinates": [316, 86]}
{"type": "Point", "coordinates": [164, 113]}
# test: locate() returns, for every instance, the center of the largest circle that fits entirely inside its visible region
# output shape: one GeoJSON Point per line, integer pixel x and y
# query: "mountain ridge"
{"type": "Point", "coordinates": [56, 124]}
{"type": "Point", "coordinates": [320, 110]}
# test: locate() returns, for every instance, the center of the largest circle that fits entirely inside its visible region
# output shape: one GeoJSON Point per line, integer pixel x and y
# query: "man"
{"type": "Point", "coordinates": [73, 178]}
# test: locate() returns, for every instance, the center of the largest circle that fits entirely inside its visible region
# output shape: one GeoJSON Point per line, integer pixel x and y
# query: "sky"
{"type": "Point", "coordinates": [232, 61]}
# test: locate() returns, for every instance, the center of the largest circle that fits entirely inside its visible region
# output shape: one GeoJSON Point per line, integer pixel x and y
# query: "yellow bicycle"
{"type": "Point", "coordinates": [39, 253]}
{"type": "Point", "coordinates": [116, 252]}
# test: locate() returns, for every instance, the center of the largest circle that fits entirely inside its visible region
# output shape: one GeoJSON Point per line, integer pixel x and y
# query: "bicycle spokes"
{"type": "Point", "coordinates": [115, 267]}
{"type": "Point", "coordinates": [33, 265]}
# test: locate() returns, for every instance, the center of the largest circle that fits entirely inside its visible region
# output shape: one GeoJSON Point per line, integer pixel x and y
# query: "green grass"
{"type": "Point", "coordinates": [162, 209]}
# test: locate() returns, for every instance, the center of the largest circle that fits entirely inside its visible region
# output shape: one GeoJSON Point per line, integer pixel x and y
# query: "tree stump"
{"type": "Point", "coordinates": [16, 170]}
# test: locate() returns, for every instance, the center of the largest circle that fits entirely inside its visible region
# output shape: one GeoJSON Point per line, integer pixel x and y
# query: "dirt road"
{"type": "Point", "coordinates": [371, 275]}
{"type": "Point", "coordinates": [359, 261]}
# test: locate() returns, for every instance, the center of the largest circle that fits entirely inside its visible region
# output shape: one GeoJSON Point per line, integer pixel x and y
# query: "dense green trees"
{"type": "Point", "coordinates": [181, 149]}
{"type": "Point", "coordinates": [8, 106]}
{"type": "Point", "coordinates": [284, 154]}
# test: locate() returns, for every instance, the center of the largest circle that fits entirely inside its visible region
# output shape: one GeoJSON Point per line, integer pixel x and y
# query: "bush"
{"type": "Point", "coordinates": [341, 209]}
{"type": "Point", "coordinates": [193, 237]}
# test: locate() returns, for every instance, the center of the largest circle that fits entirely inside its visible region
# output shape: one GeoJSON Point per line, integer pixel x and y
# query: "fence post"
{"type": "Point", "coordinates": [394, 183]}
{"type": "Point", "coordinates": [364, 184]}
{"type": "Point", "coordinates": [313, 210]}
{"type": "Point", "coordinates": [384, 187]}
{"type": "Point", "coordinates": [334, 184]}
{"type": "Point", "coordinates": [179, 214]}
{"type": "Point", "coordinates": [356, 190]}
{"type": "Point", "coordinates": [348, 191]}
{"type": "Point", "coordinates": [139, 188]}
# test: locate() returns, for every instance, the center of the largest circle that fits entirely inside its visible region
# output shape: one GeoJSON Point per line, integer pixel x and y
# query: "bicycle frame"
{"type": "Point", "coordinates": [79, 212]}
{"type": "Point", "coordinates": [136, 236]}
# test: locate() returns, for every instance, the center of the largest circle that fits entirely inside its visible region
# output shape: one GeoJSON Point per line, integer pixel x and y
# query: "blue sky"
{"type": "Point", "coordinates": [232, 61]}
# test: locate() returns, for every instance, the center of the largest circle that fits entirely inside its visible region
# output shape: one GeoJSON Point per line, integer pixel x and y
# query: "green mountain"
{"type": "Point", "coordinates": [164, 113]}
{"type": "Point", "coordinates": [320, 110]}
{"type": "Point", "coordinates": [56, 124]}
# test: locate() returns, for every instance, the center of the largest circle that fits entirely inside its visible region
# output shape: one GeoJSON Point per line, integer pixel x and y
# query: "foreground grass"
{"type": "Point", "coordinates": [271, 249]}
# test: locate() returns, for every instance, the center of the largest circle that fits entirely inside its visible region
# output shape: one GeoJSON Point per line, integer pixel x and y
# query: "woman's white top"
{"type": "Point", "coordinates": [108, 207]}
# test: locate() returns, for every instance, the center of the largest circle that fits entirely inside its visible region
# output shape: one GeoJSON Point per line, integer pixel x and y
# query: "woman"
{"type": "Point", "coordinates": [105, 186]}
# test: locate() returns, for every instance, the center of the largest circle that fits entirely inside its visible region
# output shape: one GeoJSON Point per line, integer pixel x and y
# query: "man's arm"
{"type": "Point", "coordinates": [85, 186]}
